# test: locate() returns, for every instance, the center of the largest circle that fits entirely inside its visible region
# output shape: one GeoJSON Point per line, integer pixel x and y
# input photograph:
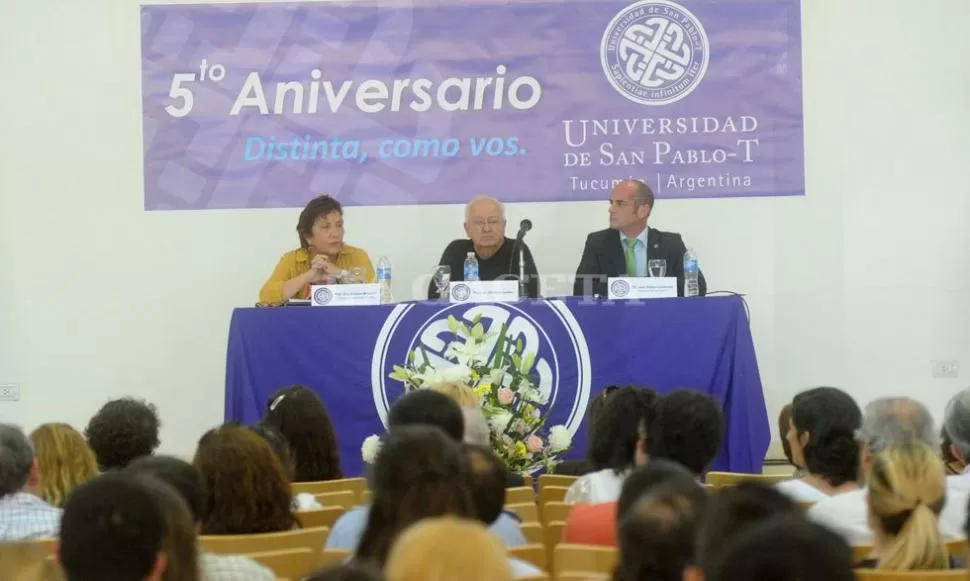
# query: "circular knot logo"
{"type": "Point", "coordinates": [655, 52]}
{"type": "Point", "coordinates": [620, 288]}
{"type": "Point", "coordinates": [322, 296]}
{"type": "Point", "coordinates": [461, 292]}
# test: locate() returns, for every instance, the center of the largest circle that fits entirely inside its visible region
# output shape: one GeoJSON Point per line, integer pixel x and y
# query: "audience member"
{"type": "Point", "coordinates": [488, 477]}
{"type": "Point", "coordinates": [64, 461]}
{"type": "Point", "coordinates": [657, 534]}
{"type": "Point", "coordinates": [593, 413]}
{"type": "Point", "coordinates": [956, 437]}
{"type": "Point", "coordinates": [476, 427]}
{"type": "Point", "coordinates": [276, 440]}
{"type": "Point", "coordinates": [351, 571]}
{"type": "Point", "coordinates": [113, 528]}
{"type": "Point", "coordinates": [179, 544]}
{"type": "Point", "coordinates": [23, 514]}
{"type": "Point", "coordinates": [616, 448]}
{"type": "Point", "coordinates": [822, 439]}
{"type": "Point", "coordinates": [424, 407]}
{"type": "Point", "coordinates": [596, 524]}
{"type": "Point", "coordinates": [731, 511]}
{"type": "Point", "coordinates": [907, 489]}
{"type": "Point", "coordinates": [299, 414]}
{"type": "Point", "coordinates": [187, 481]}
{"type": "Point", "coordinates": [419, 473]}
{"type": "Point", "coordinates": [122, 430]}
{"type": "Point", "coordinates": [248, 491]}
{"type": "Point", "coordinates": [785, 548]}
{"type": "Point", "coordinates": [447, 549]}
{"type": "Point", "coordinates": [687, 428]}
{"type": "Point", "coordinates": [27, 561]}
{"type": "Point", "coordinates": [784, 424]}
{"type": "Point", "coordinates": [885, 422]}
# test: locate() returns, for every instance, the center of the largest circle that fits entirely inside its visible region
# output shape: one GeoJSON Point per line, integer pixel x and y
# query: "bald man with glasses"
{"type": "Point", "coordinates": [497, 260]}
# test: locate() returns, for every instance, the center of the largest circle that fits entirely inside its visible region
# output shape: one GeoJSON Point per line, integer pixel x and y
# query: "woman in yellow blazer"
{"type": "Point", "coordinates": [322, 258]}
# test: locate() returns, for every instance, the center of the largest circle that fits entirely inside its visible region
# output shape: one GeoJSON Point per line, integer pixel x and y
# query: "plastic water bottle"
{"type": "Point", "coordinates": [471, 267]}
{"type": "Point", "coordinates": [384, 279]}
{"type": "Point", "coordinates": [691, 274]}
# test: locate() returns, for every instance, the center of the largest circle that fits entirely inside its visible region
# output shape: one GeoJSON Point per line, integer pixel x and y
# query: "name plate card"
{"type": "Point", "coordinates": [484, 291]}
{"type": "Point", "coordinates": [626, 288]}
{"type": "Point", "coordinates": [345, 295]}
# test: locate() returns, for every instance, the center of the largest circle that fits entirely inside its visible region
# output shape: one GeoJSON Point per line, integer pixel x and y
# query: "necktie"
{"type": "Point", "coordinates": [631, 256]}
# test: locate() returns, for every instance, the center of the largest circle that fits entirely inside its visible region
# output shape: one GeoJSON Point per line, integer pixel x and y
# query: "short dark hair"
{"type": "Point", "coordinates": [180, 475]}
{"type": "Point", "coordinates": [654, 474]}
{"type": "Point", "coordinates": [734, 509]}
{"type": "Point", "coordinates": [656, 536]}
{"type": "Point", "coordinates": [618, 429]}
{"type": "Point", "coordinates": [113, 529]}
{"type": "Point", "coordinates": [831, 417]}
{"type": "Point", "coordinates": [301, 416]}
{"type": "Point", "coordinates": [122, 430]}
{"type": "Point", "coordinates": [688, 428]}
{"type": "Point", "coordinates": [278, 442]}
{"type": "Point", "coordinates": [488, 477]}
{"type": "Point", "coordinates": [429, 408]}
{"type": "Point", "coordinates": [784, 423]}
{"type": "Point", "coordinates": [350, 571]}
{"type": "Point", "coordinates": [785, 548]}
{"type": "Point", "coordinates": [596, 407]}
{"type": "Point", "coordinates": [316, 208]}
{"type": "Point", "coordinates": [16, 459]}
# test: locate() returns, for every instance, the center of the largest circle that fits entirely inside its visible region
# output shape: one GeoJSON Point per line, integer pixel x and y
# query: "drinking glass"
{"type": "Point", "coordinates": [442, 278]}
{"type": "Point", "coordinates": [657, 268]}
{"type": "Point", "coordinates": [357, 275]}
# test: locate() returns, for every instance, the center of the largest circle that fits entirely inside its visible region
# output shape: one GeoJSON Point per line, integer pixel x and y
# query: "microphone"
{"type": "Point", "coordinates": [524, 226]}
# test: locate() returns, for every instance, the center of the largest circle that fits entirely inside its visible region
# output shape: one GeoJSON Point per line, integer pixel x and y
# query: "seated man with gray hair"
{"type": "Point", "coordinates": [498, 259]}
{"type": "Point", "coordinates": [886, 422]}
{"type": "Point", "coordinates": [956, 430]}
{"type": "Point", "coordinates": [23, 515]}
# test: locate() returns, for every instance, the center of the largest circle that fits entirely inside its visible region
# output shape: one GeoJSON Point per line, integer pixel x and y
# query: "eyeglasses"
{"type": "Point", "coordinates": [491, 222]}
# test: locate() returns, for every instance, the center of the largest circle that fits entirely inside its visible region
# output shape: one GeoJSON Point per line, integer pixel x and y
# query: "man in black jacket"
{"type": "Point", "coordinates": [624, 248]}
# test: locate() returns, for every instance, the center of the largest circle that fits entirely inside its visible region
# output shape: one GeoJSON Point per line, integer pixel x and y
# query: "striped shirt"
{"type": "Point", "coordinates": [24, 516]}
{"type": "Point", "coordinates": [232, 568]}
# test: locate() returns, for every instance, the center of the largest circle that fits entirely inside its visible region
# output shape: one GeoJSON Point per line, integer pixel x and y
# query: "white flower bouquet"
{"type": "Point", "coordinates": [503, 378]}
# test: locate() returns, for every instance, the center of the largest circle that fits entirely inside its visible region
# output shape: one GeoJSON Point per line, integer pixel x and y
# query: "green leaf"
{"type": "Point", "coordinates": [453, 324]}
{"type": "Point", "coordinates": [424, 355]}
{"type": "Point", "coordinates": [478, 332]}
{"type": "Point", "coordinates": [477, 318]}
{"type": "Point", "coordinates": [518, 345]}
{"type": "Point", "coordinates": [500, 346]}
{"type": "Point", "coordinates": [411, 357]}
{"type": "Point", "coordinates": [517, 362]}
{"type": "Point", "coordinates": [530, 360]}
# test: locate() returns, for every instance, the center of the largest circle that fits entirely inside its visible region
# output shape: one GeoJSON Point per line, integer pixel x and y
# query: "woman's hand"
{"type": "Point", "coordinates": [322, 271]}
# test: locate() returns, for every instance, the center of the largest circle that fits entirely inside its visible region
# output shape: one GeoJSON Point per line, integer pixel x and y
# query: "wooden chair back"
{"type": "Point", "coordinates": [581, 576]}
{"type": "Point", "coordinates": [555, 511]}
{"type": "Point", "coordinates": [366, 497]}
{"type": "Point", "coordinates": [553, 536]}
{"type": "Point", "coordinates": [354, 485]}
{"type": "Point", "coordinates": [585, 559]}
{"type": "Point", "coordinates": [527, 511]}
{"type": "Point", "coordinates": [721, 479]}
{"type": "Point", "coordinates": [520, 495]}
{"type": "Point", "coordinates": [556, 480]}
{"type": "Point", "coordinates": [956, 548]}
{"type": "Point", "coordinates": [332, 557]}
{"type": "Point", "coordinates": [534, 554]}
{"type": "Point", "coordinates": [943, 575]}
{"type": "Point", "coordinates": [533, 533]}
{"type": "Point", "coordinates": [860, 553]}
{"type": "Point", "coordinates": [320, 517]}
{"type": "Point", "coordinates": [289, 563]}
{"type": "Point", "coordinates": [552, 494]}
{"type": "Point", "coordinates": [533, 578]}
{"type": "Point", "coordinates": [310, 538]}
{"type": "Point", "coordinates": [344, 499]}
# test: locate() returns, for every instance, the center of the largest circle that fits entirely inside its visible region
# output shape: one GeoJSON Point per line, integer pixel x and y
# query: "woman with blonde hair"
{"type": "Point", "coordinates": [448, 549]}
{"type": "Point", "coordinates": [64, 461]}
{"type": "Point", "coordinates": [907, 490]}
{"type": "Point", "coordinates": [476, 427]}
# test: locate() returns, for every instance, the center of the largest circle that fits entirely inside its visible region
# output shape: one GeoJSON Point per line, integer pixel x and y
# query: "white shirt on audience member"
{"type": "Point", "coordinates": [799, 491]}
{"type": "Point", "coordinates": [847, 513]}
{"type": "Point", "coordinates": [232, 568]}
{"type": "Point", "coordinates": [597, 487]}
{"type": "Point", "coordinates": [305, 501]}
{"type": "Point", "coordinates": [24, 516]}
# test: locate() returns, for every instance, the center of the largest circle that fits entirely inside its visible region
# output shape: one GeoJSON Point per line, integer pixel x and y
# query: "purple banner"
{"type": "Point", "coordinates": [385, 103]}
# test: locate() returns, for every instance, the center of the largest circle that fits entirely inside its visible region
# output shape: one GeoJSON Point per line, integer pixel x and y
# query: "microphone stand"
{"type": "Point", "coordinates": [523, 285]}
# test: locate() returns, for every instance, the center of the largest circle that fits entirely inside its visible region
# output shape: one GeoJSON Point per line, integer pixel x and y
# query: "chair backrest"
{"type": "Point", "coordinates": [876, 575]}
{"type": "Point", "coordinates": [366, 497]}
{"type": "Point", "coordinates": [552, 532]}
{"type": "Point", "coordinates": [320, 517]}
{"type": "Point", "coordinates": [585, 559]}
{"type": "Point", "coordinates": [956, 548]}
{"type": "Point", "coordinates": [520, 495]}
{"type": "Point", "coordinates": [552, 494]}
{"type": "Point", "coordinates": [332, 557]}
{"type": "Point", "coordinates": [861, 552]}
{"type": "Point", "coordinates": [309, 538]}
{"type": "Point", "coordinates": [531, 553]}
{"type": "Point", "coordinates": [344, 499]}
{"type": "Point", "coordinates": [555, 511]}
{"type": "Point", "coordinates": [289, 563]}
{"type": "Point", "coordinates": [719, 479]}
{"type": "Point", "coordinates": [355, 485]}
{"type": "Point", "coordinates": [556, 480]}
{"type": "Point", "coordinates": [582, 576]}
{"type": "Point", "coordinates": [527, 511]}
{"type": "Point", "coordinates": [49, 544]}
{"type": "Point", "coordinates": [533, 533]}
{"type": "Point", "coordinates": [533, 578]}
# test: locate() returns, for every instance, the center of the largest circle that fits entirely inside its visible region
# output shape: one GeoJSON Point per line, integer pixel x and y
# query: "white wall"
{"type": "Point", "coordinates": [859, 284]}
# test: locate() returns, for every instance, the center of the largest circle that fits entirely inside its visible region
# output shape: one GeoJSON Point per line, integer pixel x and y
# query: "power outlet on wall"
{"type": "Point", "coordinates": [945, 369]}
{"type": "Point", "coordinates": [10, 392]}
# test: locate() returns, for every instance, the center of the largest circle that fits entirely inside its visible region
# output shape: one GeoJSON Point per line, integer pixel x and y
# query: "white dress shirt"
{"type": "Point", "coordinates": [232, 568]}
{"type": "Point", "coordinates": [799, 491]}
{"type": "Point", "coordinates": [24, 516]}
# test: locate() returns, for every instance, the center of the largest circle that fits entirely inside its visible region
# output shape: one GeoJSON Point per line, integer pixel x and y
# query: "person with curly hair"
{"type": "Point", "coordinates": [687, 428]}
{"type": "Point", "coordinates": [821, 435]}
{"type": "Point", "coordinates": [615, 446]}
{"type": "Point", "coordinates": [122, 430]}
{"type": "Point", "coordinates": [300, 415]}
{"type": "Point", "coordinates": [64, 461]}
{"type": "Point", "coordinates": [247, 488]}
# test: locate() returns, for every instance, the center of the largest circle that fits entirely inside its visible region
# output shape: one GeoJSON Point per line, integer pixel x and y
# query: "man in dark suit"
{"type": "Point", "coordinates": [624, 248]}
